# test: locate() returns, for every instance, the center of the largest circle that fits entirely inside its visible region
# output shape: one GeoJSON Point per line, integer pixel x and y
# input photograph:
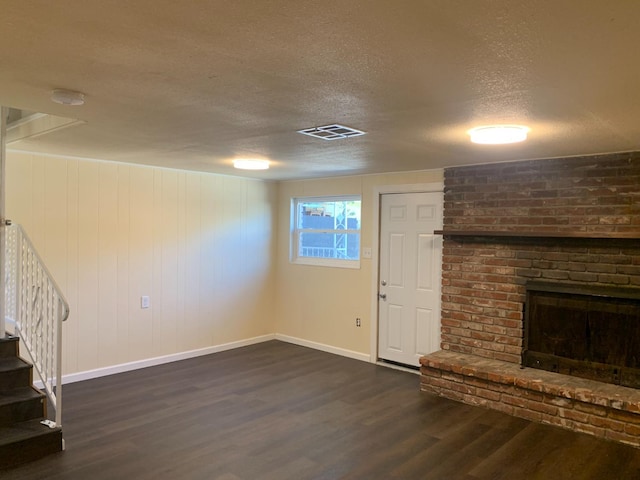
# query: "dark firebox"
{"type": "Point", "coordinates": [585, 331]}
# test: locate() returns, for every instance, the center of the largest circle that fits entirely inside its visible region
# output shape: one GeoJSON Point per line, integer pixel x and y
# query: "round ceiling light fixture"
{"type": "Point", "coordinates": [67, 97]}
{"type": "Point", "coordinates": [249, 164]}
{"type": "Point", "coordinates": [498, 134]}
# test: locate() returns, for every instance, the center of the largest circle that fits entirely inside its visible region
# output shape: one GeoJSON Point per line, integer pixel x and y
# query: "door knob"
{"type": "Point", "coordinates": [382, 296]}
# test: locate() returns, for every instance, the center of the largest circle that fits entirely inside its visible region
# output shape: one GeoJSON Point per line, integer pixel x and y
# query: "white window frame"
{"type": "Point", "coordinates": [295, 233]}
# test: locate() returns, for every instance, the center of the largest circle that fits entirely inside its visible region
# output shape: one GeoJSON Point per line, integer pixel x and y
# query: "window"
{"type": "Point", "coordinates": [326, 231]}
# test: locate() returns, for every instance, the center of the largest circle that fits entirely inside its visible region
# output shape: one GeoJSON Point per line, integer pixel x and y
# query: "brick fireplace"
{"type": "Point", "coordinates": [574, 222]}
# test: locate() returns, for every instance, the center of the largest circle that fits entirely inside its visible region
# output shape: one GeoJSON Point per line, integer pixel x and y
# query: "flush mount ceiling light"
{"type": "Point", "coordinates": [67, 97]}
{"type": "Point", "coordinates": [248, 164]}
{"type": "Point", "coordinates": [332, 132]}
{"type": "Point", "coordinates": [498, 134]}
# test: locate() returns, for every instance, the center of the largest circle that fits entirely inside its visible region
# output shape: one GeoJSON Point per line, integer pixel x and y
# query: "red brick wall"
{"type": "Point", "coordinates": [484, 278]}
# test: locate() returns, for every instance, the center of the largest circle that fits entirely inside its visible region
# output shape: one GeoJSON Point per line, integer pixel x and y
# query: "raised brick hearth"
{"type": "Point", "coordinates": [484, 278]}
{"type": "Point", "coordinates": [587, 406]}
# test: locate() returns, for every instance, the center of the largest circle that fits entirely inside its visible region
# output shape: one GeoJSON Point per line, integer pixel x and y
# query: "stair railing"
{"type": "Point", "coordinates": [36, 308]}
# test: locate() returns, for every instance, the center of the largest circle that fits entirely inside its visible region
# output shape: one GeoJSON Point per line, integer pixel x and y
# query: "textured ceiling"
{"type": "Point", "coordinates": [195, 84]}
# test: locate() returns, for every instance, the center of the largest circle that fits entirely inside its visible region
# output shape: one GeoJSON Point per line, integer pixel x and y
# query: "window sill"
{"type": "Point", "coordinates": [323, 262]}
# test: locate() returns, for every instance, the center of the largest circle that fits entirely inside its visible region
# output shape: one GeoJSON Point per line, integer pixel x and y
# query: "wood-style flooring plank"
{"type": "Point", "coordinates": [281, 411]}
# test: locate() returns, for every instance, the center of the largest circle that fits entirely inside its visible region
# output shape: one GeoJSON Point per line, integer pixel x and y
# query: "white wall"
{"type": "Point", "coordinates": [204, 247]}
{"type": "Point", "coordinates": [200, 245]}
{"type": "Point", "coordinates": [319, 304]}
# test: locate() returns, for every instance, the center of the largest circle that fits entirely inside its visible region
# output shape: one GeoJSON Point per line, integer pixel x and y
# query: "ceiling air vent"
{"type": "Point", "coordinates": [332, 132]}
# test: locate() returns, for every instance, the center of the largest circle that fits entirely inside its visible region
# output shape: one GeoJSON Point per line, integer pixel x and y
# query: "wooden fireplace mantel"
{"type": "Point", "coordinates": [551, 235]}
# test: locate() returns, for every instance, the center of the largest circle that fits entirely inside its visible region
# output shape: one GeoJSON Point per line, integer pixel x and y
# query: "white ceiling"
{"type": "Point", "coordinates": [195, 84]}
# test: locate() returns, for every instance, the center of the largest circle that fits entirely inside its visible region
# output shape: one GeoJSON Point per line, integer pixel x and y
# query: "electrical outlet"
{"type": "Point", "coordinates": [358, 323]}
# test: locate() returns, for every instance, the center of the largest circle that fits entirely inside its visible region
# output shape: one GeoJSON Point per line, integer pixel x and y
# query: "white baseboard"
{"type": "Point", "coordinates": [150, 362]}
{"type": "Point", "coordinates": [365, 357]}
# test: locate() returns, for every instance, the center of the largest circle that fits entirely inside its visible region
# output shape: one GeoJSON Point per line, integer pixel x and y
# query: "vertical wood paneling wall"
{"type": "Point", "coordinates": [201, 246]}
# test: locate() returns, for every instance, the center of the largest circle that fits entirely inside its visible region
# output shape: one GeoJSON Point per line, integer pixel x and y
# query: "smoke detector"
{"type": "Point", "coordinates": [67, 97]}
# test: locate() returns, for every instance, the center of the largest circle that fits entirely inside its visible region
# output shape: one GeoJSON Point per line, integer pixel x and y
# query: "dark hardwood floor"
{"type": "Point", "coordinates": [280, 411]}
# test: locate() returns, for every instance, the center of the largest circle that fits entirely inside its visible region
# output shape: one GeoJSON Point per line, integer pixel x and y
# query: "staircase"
{"type": "Point", "coordinates": [23, 437]}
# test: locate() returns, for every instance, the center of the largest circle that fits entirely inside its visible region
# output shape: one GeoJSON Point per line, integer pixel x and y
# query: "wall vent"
{"type": "Point", "coordinates": [332, 132]}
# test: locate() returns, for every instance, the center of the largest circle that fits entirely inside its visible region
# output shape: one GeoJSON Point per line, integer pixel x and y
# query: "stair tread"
{"type": "Point", "coordinates": [12, 363]}
{"type": "Point", "coordinates": [24, 430]}
{"type": "Point", "coordinates": [27, 439]}
{"type": "Point", "coordinates": [8, 346]}
{"type": "Point", "coordinates": [20, 394]}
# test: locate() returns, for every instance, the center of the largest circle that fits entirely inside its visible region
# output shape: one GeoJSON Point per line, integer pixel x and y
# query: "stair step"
{"type": "Point", "coordinates": [14, 373]}
{"type": "Point", "coordinates": [27, 441]}
{"type": "Point", "coordinates": [9, 346]}
{"type": "Point", "coordinates": [20, 405]}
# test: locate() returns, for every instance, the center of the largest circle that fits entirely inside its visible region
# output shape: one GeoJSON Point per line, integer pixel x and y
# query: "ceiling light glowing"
{"type": "Point", "coordinates": [67, 97]}
{"type": "Point", "coordinates": [498, 134]}
{"type": "Point", "coordinates": [246, 164]}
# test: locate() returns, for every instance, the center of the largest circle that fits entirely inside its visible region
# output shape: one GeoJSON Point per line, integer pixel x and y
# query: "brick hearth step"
{"type": "Point", "coordinates": [588, 406]}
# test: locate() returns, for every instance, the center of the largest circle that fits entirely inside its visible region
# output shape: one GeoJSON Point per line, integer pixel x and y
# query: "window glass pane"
{"type": "Point", "coordinates": [329, 245]}
{"type": "Point", "coordinates": [328, 228]}
{"type": "Point", "coordinates": [353, 246]}
{"type": "Point", "coordinates": [329, 215]}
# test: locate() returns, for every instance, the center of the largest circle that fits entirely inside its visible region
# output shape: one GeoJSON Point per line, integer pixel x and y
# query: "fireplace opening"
{"type": "Point", "coordinates": [586, 331]}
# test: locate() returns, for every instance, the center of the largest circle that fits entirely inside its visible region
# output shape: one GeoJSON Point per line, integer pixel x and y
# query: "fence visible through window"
{"type": "Point", "coordinates": [326, 228]}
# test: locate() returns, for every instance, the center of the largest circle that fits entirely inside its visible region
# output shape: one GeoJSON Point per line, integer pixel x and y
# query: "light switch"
{"type": "Point", "coordinates": [144, 301]}
{"type": "Point", "coordinates": [366, 252]}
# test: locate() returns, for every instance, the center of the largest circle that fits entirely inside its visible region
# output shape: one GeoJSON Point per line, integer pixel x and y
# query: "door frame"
{"type": "Point", "coordinates": [4, 112]}
{"type": "Point", "coordinates": [378, 191]}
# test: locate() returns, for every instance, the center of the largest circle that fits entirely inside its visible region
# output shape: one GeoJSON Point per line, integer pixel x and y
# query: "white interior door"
{"type": "Point", "coordinates": [409, 282]}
